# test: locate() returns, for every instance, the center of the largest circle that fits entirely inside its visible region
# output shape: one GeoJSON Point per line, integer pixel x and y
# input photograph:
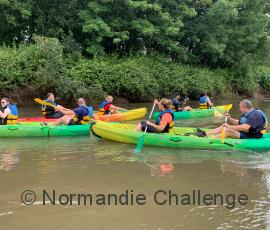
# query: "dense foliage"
{"type": "Point", "coordinates": [135, 48]}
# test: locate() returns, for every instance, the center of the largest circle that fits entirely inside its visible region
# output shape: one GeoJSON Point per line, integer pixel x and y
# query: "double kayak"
{"type": "Point", "coordinates": [36, 130]}
{"type": "Point", "coordinates": [196, 113]}
{"type": "Point", "coordinates": [183, 138]}
{"type": "Point", "coordinates": [127, 115]}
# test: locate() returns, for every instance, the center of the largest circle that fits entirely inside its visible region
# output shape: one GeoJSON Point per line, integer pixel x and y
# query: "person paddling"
{"type": "Point", "coordinates": [251, 124]}
{"type": "Point", "coordinates": [79, 116]}
{"type": "Point", "coordinates": [177, 103]}
{"type": "Point", "coordinates": [164, 122]}
{"type": "Point", "coordinates": [49, 111]}
{"type": "Point", "coordinates": [8, 112]}
{"type": "Point", "coordinates": [205, 102]}
{"type": "Point", "coordinates": [106, 107]}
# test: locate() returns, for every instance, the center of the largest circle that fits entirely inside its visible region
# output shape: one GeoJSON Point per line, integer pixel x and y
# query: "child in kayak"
{"type": "Point", "coordinates": [78, 116]}
{"type": "Point", "coordinates": [164, 122]}
{"type": "Point", "coordinates": [106, 107]}
{"type": "Point", "coordinates": [177, 103]}
{"type": "Point", "coordinates": [251, 124]}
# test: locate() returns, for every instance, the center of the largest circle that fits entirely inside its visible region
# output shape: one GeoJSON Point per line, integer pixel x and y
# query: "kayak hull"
{"type": "Point", "coordinates": [36, 119]}
{"type": "Point", "coordinates": [133, 114]}
{"type": "Point", "coordinates": [195, 113]}
{"type": "Point", "coordinates": [125, 133]}
{"type": "Point", "coordinates": [35, 130]}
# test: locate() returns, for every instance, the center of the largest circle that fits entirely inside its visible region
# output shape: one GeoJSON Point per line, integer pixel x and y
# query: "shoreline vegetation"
{"type": "Point", "coordinates": [138, 51]}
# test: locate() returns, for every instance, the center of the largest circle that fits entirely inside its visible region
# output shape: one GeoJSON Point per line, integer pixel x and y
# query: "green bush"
{"type": "Point", "coordinates": [37, 68]}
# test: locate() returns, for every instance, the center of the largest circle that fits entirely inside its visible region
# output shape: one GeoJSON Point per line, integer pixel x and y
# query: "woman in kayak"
{"type": "Point", "coordinates": [78, 116]}
{"type": "Point", "coordinates": [251, 124]}
{"type": "Point", "coordinates": [49, 111]}
{"type": "Point", "coordinates": [8, 112]}
{"type": "Point", "coordinates": [177, 103]}
{"type": "Point", "coordinates": [106, 107]}
{"type": "Point", "coordinates": [164, 122]}
{"type": "Point", "coordinates": [205, 102]}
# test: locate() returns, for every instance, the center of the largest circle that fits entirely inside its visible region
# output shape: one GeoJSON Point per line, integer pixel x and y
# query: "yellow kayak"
{"type": "Point", "coordinates": [133, 114]}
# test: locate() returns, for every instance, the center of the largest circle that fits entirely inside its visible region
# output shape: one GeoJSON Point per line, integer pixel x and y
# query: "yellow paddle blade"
{"type": "Point", "coordinates": [38, 100]}
{"type": "Point", "coordinates": [217, 113]}
{"type": "Point", "coordinates": [228, 107]}
{"type": "Point", "coordinates": [225, 108]}
{"type": "Point", "coordinates": [222, 136]}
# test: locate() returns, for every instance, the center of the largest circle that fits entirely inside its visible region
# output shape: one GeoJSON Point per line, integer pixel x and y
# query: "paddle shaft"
{"type": "Point", "coordinates": [223, 131]}
{"type": "Point", "coordinates": [151, 113]}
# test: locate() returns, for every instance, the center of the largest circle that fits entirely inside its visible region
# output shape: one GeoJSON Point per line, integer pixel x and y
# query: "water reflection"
{"type": "Point", "coordinates": [9, 160]}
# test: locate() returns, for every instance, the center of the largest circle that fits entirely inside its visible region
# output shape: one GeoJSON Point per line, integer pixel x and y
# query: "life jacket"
{"type": "Point", "coordinates": [84, 119]}
{"type": "Point", "coordinates": [12, 118]}
{"type": "Point", "coordinates": [243, 120]}
{"type": "Point", "coordinates": [169, 126]}
{"type": "Point", "coordinates": [102, 110]}
{"type": "Point", "coordinates": [203, 103]}
{"type": "Point", "coordinates": [48, 110]}
{"type": "Point", "coordinates": [174, 106]}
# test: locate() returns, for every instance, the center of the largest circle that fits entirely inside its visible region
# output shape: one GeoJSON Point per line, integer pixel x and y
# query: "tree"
{"type": "Point", "coordinates": [126, 25]}
{"type": "Point", "coordinates": [13, 20]}
{"type": "Point", "coordinates": [229, 34]}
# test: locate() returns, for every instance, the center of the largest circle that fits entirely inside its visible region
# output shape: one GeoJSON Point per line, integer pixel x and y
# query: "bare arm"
{"type": "Point", "coordinates": [116, 107]}
{"type": "Point", "coordinates": [209, 102]}
{"type": "Point", "coordinates": [65, 111]}
{"type": "Point", "coordinates": [232, 120]}
{"type": "Point", "coordinates": [159, 128]}
{"type": "Point", "coordinates": [5, 113]}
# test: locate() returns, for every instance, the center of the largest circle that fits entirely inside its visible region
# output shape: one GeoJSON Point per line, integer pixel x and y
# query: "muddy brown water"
{"type": "Point", "coordinates": [78, 165]}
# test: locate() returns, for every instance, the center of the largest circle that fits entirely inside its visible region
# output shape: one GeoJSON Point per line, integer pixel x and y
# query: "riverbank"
{"type": "Point", "coordinates": [30, 71]}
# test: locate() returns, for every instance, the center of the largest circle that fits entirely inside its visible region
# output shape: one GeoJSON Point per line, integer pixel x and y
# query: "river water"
{"type": "Point", "coordinates": [80, 165]}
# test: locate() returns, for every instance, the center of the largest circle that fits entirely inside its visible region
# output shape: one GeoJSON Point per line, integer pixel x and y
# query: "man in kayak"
{"type": "Point", "coordinates": [78, 116]}
{"type": "Point", "coordinates": [251, 124]}
{"type": "Point", "coordinates": [164, 122]}
{"type": "Point", "coordinates": [205, 102]}
{"type": "Point", "coordinates": [106, 107]}
{"type": "Point", "coordinates": [177, 103]}
{"type": "Point", "coordinates": [8, 112]}
{"type": "Point", "coordinates": [49, 111]}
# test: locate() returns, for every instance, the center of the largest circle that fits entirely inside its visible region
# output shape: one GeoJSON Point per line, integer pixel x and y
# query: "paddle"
{"type": "Point", "coordinates": [38, 100]}
{"type": "Point", "coordinates": [222, 135]}
{"type": "Point", "coordinates": [219, 114]}
{"type": "Point", "coordinates": [140, 143]}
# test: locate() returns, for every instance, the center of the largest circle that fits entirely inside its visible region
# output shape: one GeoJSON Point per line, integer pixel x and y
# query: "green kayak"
{"type": "Point", "coordinates": [36, 130]}
{"type": "Point", "coordinates": [177, 138]}
{"type": "Point", "coordinates": [196, 113]}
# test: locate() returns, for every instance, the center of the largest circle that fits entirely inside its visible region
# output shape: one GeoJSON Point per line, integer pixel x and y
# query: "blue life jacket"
{"type": "Point", "coordinates": [14, 109]}
{"type": "Point", "coordinates": [86, 117]}
{"type": "Point", "coordinates": [12, 118]}
{"type": "Point", "coordinates": [243, 120]}
{"type": "Point", "coordinates": [202, 99]}
{"type": "Point", "coordinates": [203, 103]}
{"type": "Point", "coordinates": [169, 126]}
